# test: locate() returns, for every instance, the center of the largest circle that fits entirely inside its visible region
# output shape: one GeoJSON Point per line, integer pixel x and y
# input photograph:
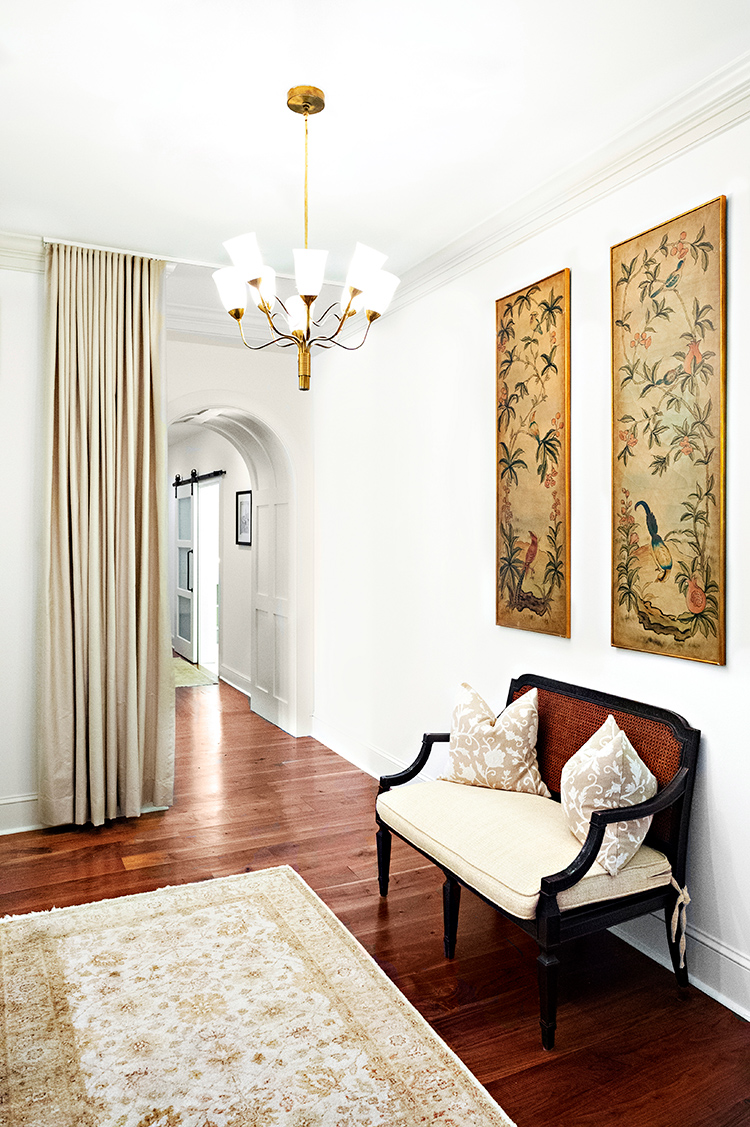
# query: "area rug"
{"type": "Point", "coordinates": [186, 674]}
{"type": "Point", "coordinates": [236, 1002]}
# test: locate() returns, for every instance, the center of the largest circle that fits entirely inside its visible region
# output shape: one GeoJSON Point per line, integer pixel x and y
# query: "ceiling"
{"type": "Point", "coordinates": [162, 127]}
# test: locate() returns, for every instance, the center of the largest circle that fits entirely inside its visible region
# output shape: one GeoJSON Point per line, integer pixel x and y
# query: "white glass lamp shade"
{"type": "Point", "coordinates": [267, 289]}
{"type": "Point", "coordinates": [309, 269]}
{"type": "Point", "coordinates": [380, 291]}
{"type": "Point", "coordinates": [297, 314]}
{"type": "Point", "coordinates": [365, 263]}
{"type": "Point", "coordinates": [245, 254]}
{"type": "Point", "coordinates": [231, 287]}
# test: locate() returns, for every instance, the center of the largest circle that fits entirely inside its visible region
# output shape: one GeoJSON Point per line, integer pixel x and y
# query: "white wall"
{"type": "Point", "coordinates": [21, 298]}
{"type": "Point", "coordinates": [405, 526]}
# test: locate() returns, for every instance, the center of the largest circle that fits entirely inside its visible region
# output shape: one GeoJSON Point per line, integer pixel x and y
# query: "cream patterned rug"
{"type": "Point", "coordinates": [236, 1002]}
{"type": "Point", "coordinates": [187, 674]}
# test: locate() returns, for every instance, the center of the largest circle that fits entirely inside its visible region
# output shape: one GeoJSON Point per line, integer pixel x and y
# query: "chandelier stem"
{"type": "Point", "coordinates": [306, 119]}
{"type": "Point", "coordinates": [303, 366]}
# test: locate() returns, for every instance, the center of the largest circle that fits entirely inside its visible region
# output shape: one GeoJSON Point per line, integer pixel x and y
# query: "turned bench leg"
{"type": "Point", "coordinates": [451, 904]}
{"type": "Point", "coordinates": [383, 838]}
{"type": "Point", "coordinates": [548, 966]}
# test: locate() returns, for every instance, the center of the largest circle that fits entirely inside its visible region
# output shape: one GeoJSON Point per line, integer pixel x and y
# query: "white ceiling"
{"type": "Point", "coordinates": [162, 126]}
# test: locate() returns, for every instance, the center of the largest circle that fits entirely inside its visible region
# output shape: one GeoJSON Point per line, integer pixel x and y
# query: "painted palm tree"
{"type": "Point", "coordinates": [662, 554]}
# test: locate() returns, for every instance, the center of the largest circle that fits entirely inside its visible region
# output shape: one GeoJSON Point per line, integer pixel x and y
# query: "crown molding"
{"type": "Point", "coordinates": [201, 321]}
{"type": "Point", "coordinates": [706, 110]}
{"type": "Point", "coordinates": [21, 252]}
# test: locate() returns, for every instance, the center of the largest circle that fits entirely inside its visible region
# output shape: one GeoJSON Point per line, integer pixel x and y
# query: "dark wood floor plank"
{"type": "Point", "coordinates": [631, 1050]}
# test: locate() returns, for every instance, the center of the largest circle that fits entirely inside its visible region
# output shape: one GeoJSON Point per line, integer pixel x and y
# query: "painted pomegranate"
{"type": "Point", "coordinates": [696, 597]}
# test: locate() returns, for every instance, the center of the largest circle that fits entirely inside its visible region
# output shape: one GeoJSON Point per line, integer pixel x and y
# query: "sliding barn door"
{"type": "Point", "coordinates": [184, 638]}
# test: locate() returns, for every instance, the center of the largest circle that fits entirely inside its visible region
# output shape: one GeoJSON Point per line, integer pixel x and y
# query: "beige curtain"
{"type": "Point", "coordinates": [106, 698]}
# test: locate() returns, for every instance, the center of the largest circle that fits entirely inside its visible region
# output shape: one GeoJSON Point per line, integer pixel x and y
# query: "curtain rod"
{"type": "Point", "coordinates": [158, 257]}
{"type": "Point", "coordinates": [46, 239]}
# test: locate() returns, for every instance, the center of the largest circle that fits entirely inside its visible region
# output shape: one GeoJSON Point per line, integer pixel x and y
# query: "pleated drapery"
{"type": "Point", "coordinates": [106, 699]}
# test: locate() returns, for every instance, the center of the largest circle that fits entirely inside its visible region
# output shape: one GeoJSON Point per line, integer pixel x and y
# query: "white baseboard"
{"type": "Point", "coordinates": [714, 967]}
{"type": "Point", "coordinates": [18, 813]}
{"type": "Point", "coordinates": [273, 709]}
{"type": "Point", "coordinates": [372, 761]}
{"type": "Point", "coordinates": [235, 679]}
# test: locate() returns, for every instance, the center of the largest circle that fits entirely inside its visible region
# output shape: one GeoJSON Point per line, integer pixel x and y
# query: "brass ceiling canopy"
{"type": "Point", "coordinates": [368, 287]}
{"type": "Point", "coordinates": [306, 99]}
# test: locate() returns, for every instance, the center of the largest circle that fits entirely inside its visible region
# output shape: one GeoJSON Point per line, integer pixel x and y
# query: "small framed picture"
{"type": "Point", "coordinates": [244, 534]}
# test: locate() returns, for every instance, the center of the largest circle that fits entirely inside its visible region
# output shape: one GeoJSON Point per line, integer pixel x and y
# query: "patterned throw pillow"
{"type": "Point", "coordinates": [486, 751]}
{"type": "Point", "coordinates": [605, 773]}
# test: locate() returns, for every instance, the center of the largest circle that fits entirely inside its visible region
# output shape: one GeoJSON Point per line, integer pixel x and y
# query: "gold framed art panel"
{"type": "Point", "coordinates": [668, 437]}
{"type": "Point", "coordinates": [533, 457]}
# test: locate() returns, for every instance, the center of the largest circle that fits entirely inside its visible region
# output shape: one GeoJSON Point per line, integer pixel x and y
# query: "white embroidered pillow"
{"type": "Point", "coordinates": [605, 773]}
{"type": "Point", "coordinates": [489, 751]}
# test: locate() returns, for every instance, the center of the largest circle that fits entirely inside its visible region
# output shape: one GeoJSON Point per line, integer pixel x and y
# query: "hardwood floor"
{"type": "Point", "coordinates": [630, 1050]}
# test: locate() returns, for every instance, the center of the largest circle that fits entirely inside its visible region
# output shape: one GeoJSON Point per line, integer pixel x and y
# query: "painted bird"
{"type": "Point", "coordinates": [662, 554]}
{"type": "Point", "coordinates": [671, 281]}
{"type": "Point", "coordinates": [530, 554]}
{"type": "Point", "coordinates": [674, 277]}
{"type": "Point", "coordinates": [528, 561]}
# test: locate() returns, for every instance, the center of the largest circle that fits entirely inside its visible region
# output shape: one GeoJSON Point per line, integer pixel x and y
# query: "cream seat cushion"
{"type": "Point", "coordinates": [503, 842]}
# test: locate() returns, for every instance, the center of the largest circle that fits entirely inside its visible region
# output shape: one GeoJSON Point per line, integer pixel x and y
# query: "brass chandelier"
{"type": "Point", "coordinates": [368, 287]}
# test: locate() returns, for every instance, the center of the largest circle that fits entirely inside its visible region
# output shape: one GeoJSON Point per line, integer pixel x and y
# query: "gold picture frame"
{"type": "Point", "coordinates": [668, 437]}
{"type": "Point", "coordinates": [533, 457]}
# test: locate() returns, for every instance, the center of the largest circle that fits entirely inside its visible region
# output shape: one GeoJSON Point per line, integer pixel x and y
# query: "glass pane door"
{"type": "Point", "coordinates": [184, 640]}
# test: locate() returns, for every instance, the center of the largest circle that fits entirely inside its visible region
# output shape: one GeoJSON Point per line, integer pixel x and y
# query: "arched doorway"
{"type": "Point", "coordinates": [275, 666]}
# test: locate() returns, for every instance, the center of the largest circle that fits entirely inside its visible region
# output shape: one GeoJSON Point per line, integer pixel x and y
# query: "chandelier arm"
{"type": "Point", "coordinates": [269, 317]}
{"type": "Point", "coordinates": [258, 347]}
{"type": "Point", "coordinates": [332, 340]}
{"type": "Point", "coordinates": [273, 326]}
{"type": "Point", "coordinates": [344, 317]}
{"type": "Point", "coordinates": [323, 316]}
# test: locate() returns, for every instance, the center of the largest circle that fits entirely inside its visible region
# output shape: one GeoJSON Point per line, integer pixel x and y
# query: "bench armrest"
{"type": "Point", "coordinates": [429, 738]}
{"type": "Point", "coordinates": [600, 819]}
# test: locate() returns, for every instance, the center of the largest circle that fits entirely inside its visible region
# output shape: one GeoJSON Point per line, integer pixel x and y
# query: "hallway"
{"type": "Point", "coordinates": [249, 796]}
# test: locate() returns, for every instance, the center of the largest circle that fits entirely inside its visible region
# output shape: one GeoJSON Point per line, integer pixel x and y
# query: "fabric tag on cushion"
{"type": "Point", "coordinates": [490, 751]}
{"type": "Point", "coordinates": [605, 773]}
